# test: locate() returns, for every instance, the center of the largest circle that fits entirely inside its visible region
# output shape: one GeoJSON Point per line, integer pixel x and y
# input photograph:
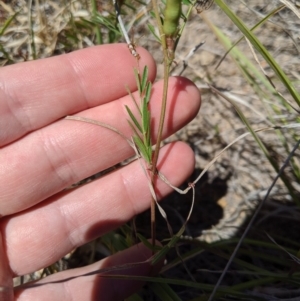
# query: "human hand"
{"type": "Point", "coordinates": [41, 154]}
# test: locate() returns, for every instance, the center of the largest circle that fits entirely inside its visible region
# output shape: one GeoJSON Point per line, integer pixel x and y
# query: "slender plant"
{"type": "Point", "coordinates": [169, 33]}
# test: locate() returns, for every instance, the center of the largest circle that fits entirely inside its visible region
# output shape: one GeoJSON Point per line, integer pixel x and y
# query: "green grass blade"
{"type": "Point", "coordinates": [261, 49]}
{"type": "Point", "coordinates": [112, 32]}
{"type": "Point", "coordinates": [261, 22]}
{"type": "Point", "coordinates": [252, 74]}
{"type": "Point", "coordinates": [7, 23]}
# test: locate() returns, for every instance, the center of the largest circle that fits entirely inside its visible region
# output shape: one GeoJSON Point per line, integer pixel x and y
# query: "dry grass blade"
{"type": "Point", "coordinates": [292, 7]}
{"type": "Point", "coordinates": [99, 123]}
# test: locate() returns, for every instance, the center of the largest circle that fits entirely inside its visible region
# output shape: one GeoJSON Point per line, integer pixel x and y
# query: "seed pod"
{"type": "Point", "coordinates": [172, 16]}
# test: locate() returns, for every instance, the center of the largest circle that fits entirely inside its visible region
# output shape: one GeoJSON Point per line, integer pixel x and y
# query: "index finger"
{"type": "Point", "coordinates": [52, 88]}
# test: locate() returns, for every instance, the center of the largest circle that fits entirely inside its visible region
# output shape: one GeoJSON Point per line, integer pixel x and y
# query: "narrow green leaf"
{"type": "Point", "coordinates": [149, 150]}
{"type": "Point", "coordinates": [145, 117]}
{"type": "Point", "coordinates": [139, 144]}
{"type": "Point", "coordinates": [144, 79]}
{"type": "Point", "coordinates": [134, 129]}
{"type": "Point", "coordinates": [147, 124]}
{"type": "Point", "coordinates": [106, 22]}
{"type": "Point", "coordinates": [7, 23]}
{"type": "Point", "coordinates": [138, 81]}
{"type": "Point", "coordinates": [152, 30]}
{"type": "Point", "coordinates": [148, 92]}
{"type": "Point", "coordinates": [134, 120]}
{"type": "Point", "coordinates": [142, 149]}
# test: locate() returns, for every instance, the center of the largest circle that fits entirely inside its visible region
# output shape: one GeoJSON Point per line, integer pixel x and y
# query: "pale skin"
{"type": "Point", "coordinates": [41, 154]}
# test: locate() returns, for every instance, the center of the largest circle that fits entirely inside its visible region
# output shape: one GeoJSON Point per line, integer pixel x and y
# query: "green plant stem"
{"type": "Point", "coordinates": [162, 113]}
